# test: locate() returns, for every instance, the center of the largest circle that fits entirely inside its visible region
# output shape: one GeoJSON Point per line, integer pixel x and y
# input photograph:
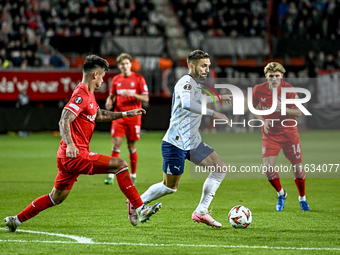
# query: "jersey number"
{"type": "Point", "coordinates": [296, 148]}
{"type": "Point", "coordinates": [137, 130]}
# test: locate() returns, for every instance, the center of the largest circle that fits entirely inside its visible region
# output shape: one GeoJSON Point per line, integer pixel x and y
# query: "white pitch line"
{"type": "Point", "coordinates": [183, 245]}
{"type": "Point", "coordinates": [79, 239]}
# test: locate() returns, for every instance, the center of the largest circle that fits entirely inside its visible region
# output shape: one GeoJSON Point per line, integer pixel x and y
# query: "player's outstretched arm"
{"type": "Point", "coordinates": [104, 115]}
{"type": "Point", "coordinates": [65, 131]}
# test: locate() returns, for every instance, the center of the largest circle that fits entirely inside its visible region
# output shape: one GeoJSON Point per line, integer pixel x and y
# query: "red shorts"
{"type": "Point", "coordinates": [289, 142]}
{"type": "Point", "coordinates": [85, 163]}
{"type": "Point", "coordinates": [132, 131]}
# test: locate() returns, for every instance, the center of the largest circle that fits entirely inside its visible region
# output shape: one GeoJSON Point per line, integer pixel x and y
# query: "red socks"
{"type": "Point", "coordinates": [274, 180]}
{"type": "Point", "coordinates": [300, 180]}
{"type": "Point", "coordinates": [115, 154]}
{"type": "Point", "coordinates": [38, 205]}
{"type": "Point", "coordinates": [133, 161]}
{"type": "Point", "coordinates": [127, 187]}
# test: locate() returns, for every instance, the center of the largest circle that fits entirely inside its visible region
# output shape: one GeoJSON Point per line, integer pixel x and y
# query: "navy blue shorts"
{"type": "Point", "coordinates": [174, 157]}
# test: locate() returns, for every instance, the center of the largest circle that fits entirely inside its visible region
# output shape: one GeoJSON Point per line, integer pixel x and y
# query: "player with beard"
{"type": "Point", "coordinates": [182, 140]}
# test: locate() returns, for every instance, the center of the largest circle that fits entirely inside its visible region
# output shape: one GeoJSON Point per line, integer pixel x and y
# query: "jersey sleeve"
{"type": "Point", "coordinates": [113, 86]}
{"type": "Point", "coordinates": [143, 87]}
{"type": "Point", "coordinates": [255, 100]}
{"type": "Point", "coordinates": [77, 103]}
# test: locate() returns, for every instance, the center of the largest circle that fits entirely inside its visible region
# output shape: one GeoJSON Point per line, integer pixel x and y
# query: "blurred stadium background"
{"type": "Point", "coordinates": [43, 45]}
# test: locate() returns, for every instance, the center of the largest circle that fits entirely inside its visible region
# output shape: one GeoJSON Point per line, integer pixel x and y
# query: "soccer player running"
{"type": "Point", "coordinates": [128, 90]}
{"type": "Point", "coordinates": [76, 125]}
{"type": "Point", "coordinates": [277, 137]}
{"type": "Point", "coordinates": [182, 140]}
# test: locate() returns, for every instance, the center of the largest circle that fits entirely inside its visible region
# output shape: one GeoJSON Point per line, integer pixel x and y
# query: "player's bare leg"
{"type": "Point", "coordinates": [133, 156]}
{"type": "Point", "coordinates": [210, 186]}
{"type": "Point", "coordinates": [116, 144]}
{"type": "Point", "coordinates": [274, 179]}
{"type": "Point", "coordinates": [299, 178]}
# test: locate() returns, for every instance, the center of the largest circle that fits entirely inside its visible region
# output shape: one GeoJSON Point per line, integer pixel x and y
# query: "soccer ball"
{"type": "Point", "coordinates": [240, 216]}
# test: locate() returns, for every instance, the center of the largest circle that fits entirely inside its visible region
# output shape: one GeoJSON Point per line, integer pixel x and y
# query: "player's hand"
{"type": "Point", "coordinates": [135, 112]}
{"type": "Point", "coordinates": [218, 115]}
{"type": "Point", "coordinates": [278, 105]}
{"type": "Point", "coordinates": [108, 105]}
{"type": "Point", "coordinates": [227, 98]}
{"type": "Point", "coordinates": [71, 151]}
{"type": "Point", "coordinates": [266, 126]}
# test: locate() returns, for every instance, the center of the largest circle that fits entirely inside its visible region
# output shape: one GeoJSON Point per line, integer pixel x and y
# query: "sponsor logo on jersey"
{"type": "Point", "coordinates": [121, 91]}
{"type": "Point", "coordinates": [118, 84]}
{"type": "Point", "coordinates": [75, 107]}
{"type": "Point", "coordinates": [78, 100]}
{"type": "Point", "coordinates": [187, 87]}
{"type": "Point", "coordinates": [263, 99]}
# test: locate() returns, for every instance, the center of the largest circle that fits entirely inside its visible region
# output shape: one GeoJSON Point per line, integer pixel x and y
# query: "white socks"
{"type": "Point", "coordinates": [156, 191]}
{"type": "Point", "coordinates": [302, 198]}
{"type": "Point", "coordinates": [281, 192]}
{"type": "Point", "coordinates": [112, 176]}
{"type": "Point", "coordinates": [17, 221]}
{"type": "Point", "coordinates": [210, 187]}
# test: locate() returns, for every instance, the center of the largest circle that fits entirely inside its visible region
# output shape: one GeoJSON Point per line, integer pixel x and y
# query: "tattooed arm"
{"type": "Point", "coordinates": [104, 115]}
{"type": "Point", "coordinates": [65, 131]}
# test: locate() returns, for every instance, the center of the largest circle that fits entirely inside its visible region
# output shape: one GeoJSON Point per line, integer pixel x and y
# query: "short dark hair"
{"type": "Point", "coordinates": [93, 62]}
{"type": "Point", "coordinates": [196, 55]}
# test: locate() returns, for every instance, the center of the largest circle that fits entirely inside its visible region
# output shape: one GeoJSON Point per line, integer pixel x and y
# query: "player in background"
{"type": "Point", "coordinates": [182, 140]}
{"type": "Point", "coordinates": [76, 125]}
{"type": "Point", "coordinates": [277, 137]}
{"type": "Point", "coordinates": [128, 90]}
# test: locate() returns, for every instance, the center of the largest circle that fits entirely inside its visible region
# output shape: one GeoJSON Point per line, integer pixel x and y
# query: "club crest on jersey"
{"type": "Point", "coordinates": [187, 87]}
{"type": "Point", "coordinates": [78, 100]}
{"type": "Point", "coordinates": [118, 85]}
{"type": "Point", "coordinates": [132, 84]}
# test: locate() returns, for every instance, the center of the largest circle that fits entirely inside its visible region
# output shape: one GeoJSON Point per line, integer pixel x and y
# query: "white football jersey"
{"type": "Point", "coordinates": [183, 129]}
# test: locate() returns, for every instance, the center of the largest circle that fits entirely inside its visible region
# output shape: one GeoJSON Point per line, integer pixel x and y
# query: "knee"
{"type": "Point", "coordinates": [116, 164]}
{"type": "Point", "coordinates": [268, 168]}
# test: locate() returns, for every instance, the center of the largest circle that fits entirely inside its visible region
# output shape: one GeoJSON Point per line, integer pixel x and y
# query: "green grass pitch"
{"type": "Point", "coordinates": [98, 213]}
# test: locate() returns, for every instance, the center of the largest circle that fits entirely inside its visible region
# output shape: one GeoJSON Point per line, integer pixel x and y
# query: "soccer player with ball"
{"type": "Point", "coordinates": [76, 125]}
{"type": "Point", "coordinates": [277, 137]}
{"type": "Point", "coordinates": [182, 140]}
